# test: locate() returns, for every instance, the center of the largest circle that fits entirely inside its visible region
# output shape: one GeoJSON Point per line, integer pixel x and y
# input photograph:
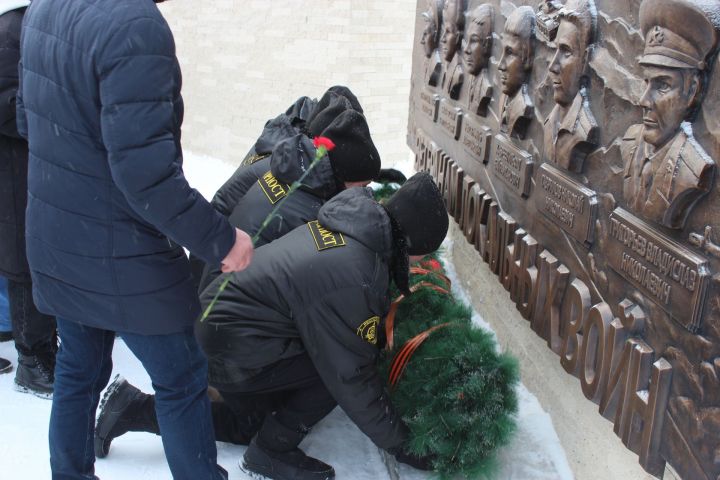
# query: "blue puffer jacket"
{"type": "Point", "coordinates": [108, 202]}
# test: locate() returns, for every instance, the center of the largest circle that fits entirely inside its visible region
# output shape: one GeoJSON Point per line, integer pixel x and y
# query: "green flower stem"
{"type": "Point", "coordinates": [320, 153]}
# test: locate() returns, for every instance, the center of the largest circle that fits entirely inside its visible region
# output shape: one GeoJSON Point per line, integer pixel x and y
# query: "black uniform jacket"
{"type": "Point", "coordinates": [320, 289]}
{"type": "Point", "coordinates": [249, 196]}
{"type": "Point", "coordinates": [283, 126]}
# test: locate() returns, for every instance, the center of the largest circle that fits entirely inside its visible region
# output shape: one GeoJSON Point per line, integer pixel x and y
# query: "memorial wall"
{"type": "Point", "coordinates": [576, 143]}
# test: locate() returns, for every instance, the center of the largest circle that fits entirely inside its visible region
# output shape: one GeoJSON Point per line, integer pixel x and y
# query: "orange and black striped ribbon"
{"type": "Point", "coordinates": [402, 358]}
{"type": "Point", "coordinates": [390, 318]}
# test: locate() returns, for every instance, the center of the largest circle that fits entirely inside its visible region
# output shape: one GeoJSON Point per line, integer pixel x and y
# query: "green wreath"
{"type": "Point", "coordinates": [453, 388]}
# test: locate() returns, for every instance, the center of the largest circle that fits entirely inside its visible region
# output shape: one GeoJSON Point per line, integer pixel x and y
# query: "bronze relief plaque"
{"type": "Point", "coordinates": [615, 258]}
{"type": "Point", "coordinates": [666, 272]}
{"type": "Point", "coordinates": [567, 203]}
{"type": "Point", "coordinates": [476, 140]}
{"type": "Point", "coordinates": [512, 165]}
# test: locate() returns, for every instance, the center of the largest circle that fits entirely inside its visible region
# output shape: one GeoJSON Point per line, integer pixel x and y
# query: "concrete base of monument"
{"type": "Point", "coordinates": [592, 449]}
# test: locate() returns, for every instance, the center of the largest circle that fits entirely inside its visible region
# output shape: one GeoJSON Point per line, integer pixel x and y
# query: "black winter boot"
{"type": "Point", "coordinates": [123, 409]}
{"type": "Point", "coordinates": [5, 365]}
{"type": "Point", "coordinates": [35, 374]}
{"type": "Point", "coordinates": [273, 454]}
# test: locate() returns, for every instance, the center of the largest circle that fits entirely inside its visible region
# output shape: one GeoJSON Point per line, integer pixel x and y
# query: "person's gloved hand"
{"type": "Point", "coordinates": [421, 462]}
{"type": "Point", "coordinates": [390, 175]}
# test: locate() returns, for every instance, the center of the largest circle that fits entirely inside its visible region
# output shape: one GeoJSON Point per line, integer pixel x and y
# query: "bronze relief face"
{"type": "Point", "coordinates": [449, 41]}
{"type": "Point", "coordinates": [512, 64]}
{"type": "Point", "coordinates": [452, 21]}
{"type": "Point", "coordinates": [517, 48]}
{"type": "Point", "coordinates": [428, 38]}
{"type": "Point", "coordinates": [568, 63]}
{"type": "Point", "coordinates": [477, 45]}
{"type": "Point", "coordinates": [669, 95]}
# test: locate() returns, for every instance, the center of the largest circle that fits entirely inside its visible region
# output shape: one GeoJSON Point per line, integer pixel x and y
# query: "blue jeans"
{"type": "Point", "coordinates": [5, 325]}
{"type": "Point", "coordinates": [178, 370]}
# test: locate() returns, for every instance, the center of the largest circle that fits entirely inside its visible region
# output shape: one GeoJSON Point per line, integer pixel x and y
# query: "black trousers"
{"type": "Point", "coordinates": [34, 332]}
{"type": "Point", "coordinates": [291, 389]}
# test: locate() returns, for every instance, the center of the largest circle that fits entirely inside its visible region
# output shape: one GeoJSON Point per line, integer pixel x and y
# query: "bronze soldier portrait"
{"type": "Point", "coordinates": [429, 41]}
{"type": "Point", "coordinates": [453, 21]}
{"type": "Point", "coordinates": [570, 131]}
{"type": "Point", "coordinates": [477, 48]}
{"type": "Point", "coordinates": [665, 170]}
{"type": "Point", "coordinates": [513, 69]}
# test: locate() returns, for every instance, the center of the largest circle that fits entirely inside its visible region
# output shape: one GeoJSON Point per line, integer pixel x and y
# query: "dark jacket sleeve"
{"type": "Point", "coordinates": [284, 125]}
{"type": "Point", "coordinates": [20, 119]}
{"type": "Point", "coordinates": [228, 196]}
{"type": "Point", "coordinates": [331, 332]}
{"type": "Point", "coordinates": [9, 62]}
{"type": "Point", "coordinates": [138, 75]}
{"type": "Point", "coordinates": [275, 130]}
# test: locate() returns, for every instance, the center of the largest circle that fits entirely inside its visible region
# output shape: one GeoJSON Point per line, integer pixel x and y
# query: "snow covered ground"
{"type": "Point", "coordinates": [534, 454]}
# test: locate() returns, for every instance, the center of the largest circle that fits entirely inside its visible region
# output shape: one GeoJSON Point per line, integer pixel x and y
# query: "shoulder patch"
{"type": "Point", "coordinates": [368, 330]}
{"type": "Point", "coordinates": [323, 237]}
{"type": "Point", "coordinates": [272, 188]}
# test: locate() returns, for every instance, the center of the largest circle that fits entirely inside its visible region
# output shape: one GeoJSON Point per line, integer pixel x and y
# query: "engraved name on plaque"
{"type": "Point", "coordinates": [429, 104]}
{"type": "Point", "coordinates": [666, 272]}
{"type": "Point", "coordinates": [569, 204]}
{"type": "Point", "coordinates": [512, 165]}
{"type": "Point", "coordinates": [476, 140]}
{"type": "Point", "coordinates": [450, 118]}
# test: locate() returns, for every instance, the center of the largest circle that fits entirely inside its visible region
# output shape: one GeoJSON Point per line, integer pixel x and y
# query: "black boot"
{"type": "Point", "coordinates": [35, 374]}
{"type": "Point", "coordinates": [273, 454]}
{"type": "Point", "coordinates": [5, 366]}
{"type": "Point", "coordinates": [123, 409]}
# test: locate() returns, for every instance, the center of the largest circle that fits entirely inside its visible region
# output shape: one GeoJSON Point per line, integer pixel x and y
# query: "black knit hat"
{"type": "Point", "coordinates": [354, 158]}
{"type": "Point", "coordinates": [418, 209]}
{"type": "Point", "coordinates": [345, 92]}
{"type": "Point", "coordinates": [328, 108]}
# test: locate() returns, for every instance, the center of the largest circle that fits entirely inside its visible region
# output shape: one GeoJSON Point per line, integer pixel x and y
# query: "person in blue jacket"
{"type": "Point", "coordinates": [108, 210]}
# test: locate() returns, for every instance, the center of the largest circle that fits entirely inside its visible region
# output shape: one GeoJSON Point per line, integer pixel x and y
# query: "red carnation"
{"type": "Point", "coordinates": [323, 142]}
{"type": "Point", "coordinates": [434, 264]}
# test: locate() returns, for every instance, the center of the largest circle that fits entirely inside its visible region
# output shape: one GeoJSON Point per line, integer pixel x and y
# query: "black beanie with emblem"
{"type": "Point", "coordinates": [418, 209]}
{"type": "Point", "coordinates": [354, 158]}
{"type": "Point", "coordinates": [328, 108]}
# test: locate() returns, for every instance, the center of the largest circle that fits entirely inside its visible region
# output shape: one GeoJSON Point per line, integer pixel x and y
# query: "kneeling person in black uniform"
{"type": "Point", "coordinates": [295, 334]}
{"type": "Point", "coordinates": [249, 197]}
{"type": "Point", "coordinates": [253, 190]}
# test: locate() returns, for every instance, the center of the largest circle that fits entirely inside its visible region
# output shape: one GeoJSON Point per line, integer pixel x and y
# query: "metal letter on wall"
{"type": "Point", "coordinates": [587, 134]}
